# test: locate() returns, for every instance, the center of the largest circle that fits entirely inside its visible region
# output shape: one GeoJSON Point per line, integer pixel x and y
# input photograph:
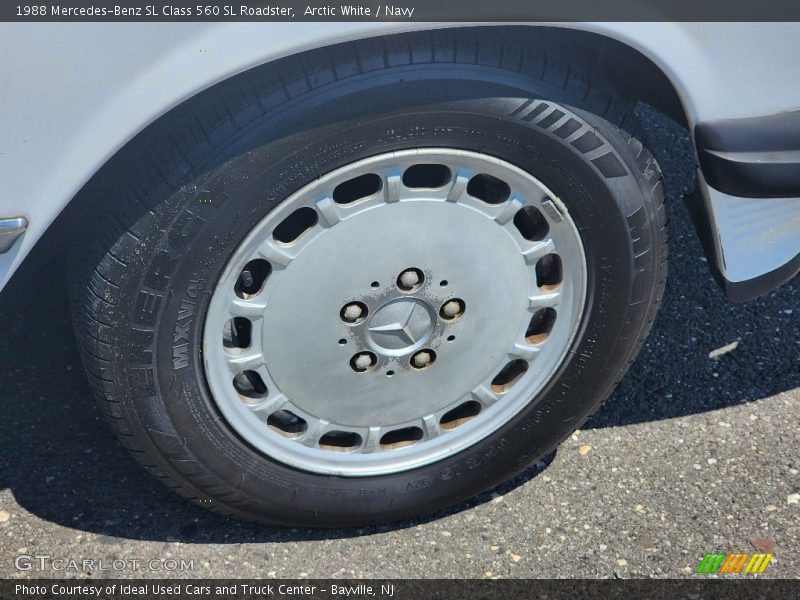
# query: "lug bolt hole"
{"type": "Point", "coordinates": [353, 313]}
{"type": "Point", "coordinates": [363, 362]}
{"type": "Point", "coordinates": [375, 285]}
{"type": "Point", "coordinates": [423, 359]}
{"type": "Point", "coordinates": [452, 309]}
{"type": "Point", "coordinates": [443, 282]}
{"type": "Point", "coordinates": [410, 279]}
{"type": "Point", "coordinates": [389, 373]}
{"type": "Point", "coordinates": [451, 338]}
{"type": "Point", "coordinates": [342, 342]}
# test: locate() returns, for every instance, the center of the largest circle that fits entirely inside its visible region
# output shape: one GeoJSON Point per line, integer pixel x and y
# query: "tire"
{"type": "Point", "coordinates": [169, 212]}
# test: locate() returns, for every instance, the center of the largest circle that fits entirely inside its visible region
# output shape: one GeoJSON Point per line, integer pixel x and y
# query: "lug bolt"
{"type": "Point", "coordinates": [247, 279]}
{"type": "Point", "coordinates": [410, 279]}
{"type": "Point", "coordinates": [452, 309]}
{"type": "Point", "coordinates": [423, 359]}
{"type": "Point", "coordinates": [363, 361]}
{"type": "Point", "coordinates": [354, 312]}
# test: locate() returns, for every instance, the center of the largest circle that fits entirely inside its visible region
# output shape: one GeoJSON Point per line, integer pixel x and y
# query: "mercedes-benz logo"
{"type": "Point", "coordinates": [401, 325]}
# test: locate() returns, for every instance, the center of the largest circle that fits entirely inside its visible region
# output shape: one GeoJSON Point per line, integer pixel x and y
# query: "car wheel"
{"type": "Point", "coordinates": [365, 284]}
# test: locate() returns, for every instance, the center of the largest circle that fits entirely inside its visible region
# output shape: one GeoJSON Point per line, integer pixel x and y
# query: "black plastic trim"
{"type": "Point", "coordinates": [754, 158]}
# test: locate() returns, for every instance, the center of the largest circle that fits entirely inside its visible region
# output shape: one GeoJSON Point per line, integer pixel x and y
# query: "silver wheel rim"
{"type": "Point", "coordinates": [429, 298]}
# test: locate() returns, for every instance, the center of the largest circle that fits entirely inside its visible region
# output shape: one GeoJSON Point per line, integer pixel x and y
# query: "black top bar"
{"type": "Point", "coordinates": [401, 10]}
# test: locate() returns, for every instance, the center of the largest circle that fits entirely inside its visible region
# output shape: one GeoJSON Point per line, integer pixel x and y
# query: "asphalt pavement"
{"type": "Point", "coordinates": [698, 450]}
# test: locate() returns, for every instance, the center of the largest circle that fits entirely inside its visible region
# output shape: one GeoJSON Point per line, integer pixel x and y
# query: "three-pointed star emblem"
{"type": "Point", "coordinates": [401, 323]}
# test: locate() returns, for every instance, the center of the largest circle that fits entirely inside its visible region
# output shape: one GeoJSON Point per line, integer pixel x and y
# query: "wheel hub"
{"type": "Point", "coordinates": [401, 326]}
{"type": "Point", "coordinates": [389, 327]}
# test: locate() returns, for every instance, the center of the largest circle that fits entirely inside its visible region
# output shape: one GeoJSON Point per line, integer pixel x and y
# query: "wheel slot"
{"type": "Point", "coordinates": [426, 176]}
{"type": "Point", "coordinates": [237, 333]}
{"type": "Point", "coordinates": [250, 386]}
{"type": "Point", "coordinates": [252, 278]}
{"type": "Point", "coordinates": [460, 415]}
{"type": "Point", "coordinates": [287, 423]}
{"type": "Point", "coordinates": [400, 438]}
{"type": "Point", "coordinates": [340, 441]}
{"type": "Point", "coordinates": [357, 188]}
{"type": "Point", "coordinates": [540, 326]}
{"type": "Point", "coordinates": [509, 375]}
{"type": "Point", "coordinates": [531, 224]}
{"type": "Point", "coordinates": [548, 272]}
{"type": "Point", "coordinates": [295, 225]}
{"type": "Point", "coordinates": [489, 189]}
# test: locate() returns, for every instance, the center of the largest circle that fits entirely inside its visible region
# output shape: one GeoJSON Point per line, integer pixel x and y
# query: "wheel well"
{"type": "Point", "coordinates": [628, 70]}
{"type": "Point", "coordinates": [640, 80]}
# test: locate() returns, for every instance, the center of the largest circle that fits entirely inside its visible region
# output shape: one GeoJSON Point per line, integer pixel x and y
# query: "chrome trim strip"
{"type": "Point", "coordinates": [10, 231]}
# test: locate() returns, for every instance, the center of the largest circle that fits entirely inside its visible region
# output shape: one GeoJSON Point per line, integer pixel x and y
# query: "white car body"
{"type": "Point", "coordinates": [72, 94]}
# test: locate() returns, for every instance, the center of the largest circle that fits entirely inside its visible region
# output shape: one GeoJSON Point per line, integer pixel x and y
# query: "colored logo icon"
{"type": "Point", "coordinates": [734, 562]}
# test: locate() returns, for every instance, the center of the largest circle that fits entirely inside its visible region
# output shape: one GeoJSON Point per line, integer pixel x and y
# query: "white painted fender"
{"type": "Point", "coordinates": [72, 94]}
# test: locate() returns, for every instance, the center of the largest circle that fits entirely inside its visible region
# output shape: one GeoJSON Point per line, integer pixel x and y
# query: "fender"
{"type": "Point", "coordinates": [80, 91]}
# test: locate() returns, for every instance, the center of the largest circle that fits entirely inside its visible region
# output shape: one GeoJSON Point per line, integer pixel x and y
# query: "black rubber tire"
{"type": "Point", "coordinates": [166, 213]}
